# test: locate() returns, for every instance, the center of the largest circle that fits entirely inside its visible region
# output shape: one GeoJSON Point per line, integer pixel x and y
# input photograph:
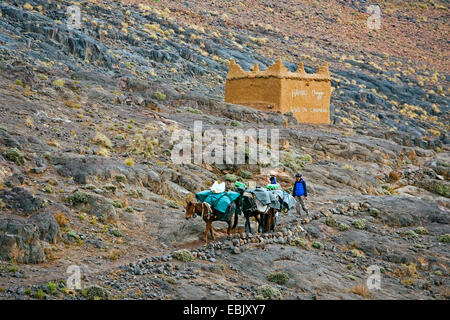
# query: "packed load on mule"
{"type": "Point", "coordinates": [263, 204]}
{"type": "Point", "coordinates": [214, 205]}
{"type": "Point", "coordinates": [218, 201]}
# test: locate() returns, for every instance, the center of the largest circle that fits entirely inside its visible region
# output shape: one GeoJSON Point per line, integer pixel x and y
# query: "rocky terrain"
{"type": "Point", "coordinates": [86, 177]}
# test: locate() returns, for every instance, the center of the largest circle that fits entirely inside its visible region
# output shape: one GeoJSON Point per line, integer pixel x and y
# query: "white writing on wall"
{"type": "Point", "coordinates": [303, 109]}
{"type": "Point", "coordinates": [298, 93]}
{"type": "Point", "coordinates": [319, 94]}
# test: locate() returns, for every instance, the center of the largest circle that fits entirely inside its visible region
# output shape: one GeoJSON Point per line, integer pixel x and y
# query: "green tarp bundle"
{"type": "Point", "coordinates": [218, 201]}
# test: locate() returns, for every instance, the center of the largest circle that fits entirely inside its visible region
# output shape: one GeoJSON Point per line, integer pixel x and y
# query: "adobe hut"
{"type": "Point", "coordinates": [306, 95]}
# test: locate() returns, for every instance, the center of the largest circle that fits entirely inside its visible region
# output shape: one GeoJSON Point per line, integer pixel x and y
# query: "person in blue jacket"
{"type": "Point", "coordinates": [300, 193]}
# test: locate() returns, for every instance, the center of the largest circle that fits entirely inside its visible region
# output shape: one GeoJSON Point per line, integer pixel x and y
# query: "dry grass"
{"type": "Point", "coordinates": [394, 175]}
{"type": "Point", "coordinates": [102, 140]}
{"type": "Point", "coordinates": [114, 254]}
{"type": "Point", "coordinates": [361, 290]}
{"type": "Point", "coordinates": [61, 218]}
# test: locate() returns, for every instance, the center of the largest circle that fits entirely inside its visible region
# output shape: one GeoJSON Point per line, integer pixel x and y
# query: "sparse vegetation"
{"type": "Point", "coordinates": [359, 224]}
{"type": "Point", "coordinates": [230, 177]}
{"type": "Point", "coordinates": [78, 198]}
{"type": "Point", "coordinates": [444, 238]}
{"type": "Point", "coordinates": [278, 277]}
{"type": "Point", "coordinates": [15, 156]}
{"type": "Point", "coordinates": [183, 255]}
{"type": "Point", "coordinates": [317, 245]}
{"type": "Point", "coordinates": [40, 294]}
{"type": "Point", "coordinates": [267, 292]}
{"type": "Point", "coordinates": [331, 221]}
{"type": "Point", "coordinates": [343, 227]}
{"type": "Point", "coordinates": [61, 218]}
{"type": "Point", "coordinates": [300, 242]}
{"type": "Point", "coordinates": [160, 96]}
{"type": "Point", "coordinates": [129, 162]}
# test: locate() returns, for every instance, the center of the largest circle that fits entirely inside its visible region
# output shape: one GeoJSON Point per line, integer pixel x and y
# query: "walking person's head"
{"type": "Point", "coordinates": [273, 180]}
{"type": "Point", "coordinates": [298, 176]}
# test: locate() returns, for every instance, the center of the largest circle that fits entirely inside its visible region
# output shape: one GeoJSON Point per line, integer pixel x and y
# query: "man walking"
{"type": "Point", "coordinates": [300, 194]}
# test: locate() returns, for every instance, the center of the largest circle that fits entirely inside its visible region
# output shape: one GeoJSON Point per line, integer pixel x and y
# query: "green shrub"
{"type": "Point", "coordinates": [48, 188]}
{"type": "Point", "coordinates": [117, 204]}
{"type": "Point", "coordinates": [40, 294]}
{"type": "Point", "coordinates": [183, 255]}
{"type": "Point", "coordinates": [173, 204]}
{"type": "Point", "coordinates": [421, 230]}
{"type": "Point", "coordinates": [305, 158]}
{"type": "Point", "coordinates": [267, 292]}
{"type": "Point", "coordinates": [12, 269]}
{"type": "Point", "coordinates": [343, 226]}
{"type": "Point", "coordinates": [359, 224]}
{"type": "Point", "coordinates": [445, 238]}
{"type": "Point", "coordinates": [412, 234]}
{"type": "Point", "coordinates": [230, 177]}
{"type": "Point", "coordinates": [331, 221]}
{"type": "Point", "coordinates": [235, 123]}
{"type": "Point", "coordinates": [121, 178]}
{"type": "Point", "coordinates": [278, 277]}
{"type": "Point", "coordinates": [115, 232]}
{"type": "Point", "coordinates": [295, 163]}
{"type": "Point", "coordinates": [73, 235]}
{"type": "Point", "coordinates": [160, 96]}
{"type": "Point", "coordinates": [245, 174]}
{"type": "Point", "coordinates": [317, 245]}
{"type": "Point", "coordinates": [374, 212]}
{"type": "Point", "coordinates": [299, 242]}
{"type": "Point", "coordinates": [52, 287]}
{"type": "Point", "coordinates": [193, 110]}
{"type": "Point", "coordinates": [15, 156]}
{"type": "Point", "coordinates": [442, 189]}
{"type": "Point", "coordinates": [356, 253]}
{"type": "Point", "coordinates": [96, 293]}
{"type": "Point", "coordinates": [79, 197]}
{"type": "Point", "coordinates": [109, 188]}
{"type": "Point", "coordinates": [58, 83]}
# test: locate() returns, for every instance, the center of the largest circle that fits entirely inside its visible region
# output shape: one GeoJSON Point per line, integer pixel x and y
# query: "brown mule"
{"type": "Point", "coordinates": [268, 220]}
{"type": "Point", "coordinates": [209, 215]}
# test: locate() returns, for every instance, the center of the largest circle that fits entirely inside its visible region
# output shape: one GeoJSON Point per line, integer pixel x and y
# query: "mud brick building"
{"type": "Point", "coordinates": [306, 95]}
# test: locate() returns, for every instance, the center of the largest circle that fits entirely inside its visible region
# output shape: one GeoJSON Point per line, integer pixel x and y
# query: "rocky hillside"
{"type": "Point", "coordinates": [86, 178]}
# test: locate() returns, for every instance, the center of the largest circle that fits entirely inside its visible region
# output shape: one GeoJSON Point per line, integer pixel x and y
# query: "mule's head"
{"type": "Point", "coordinates": [190, 210]}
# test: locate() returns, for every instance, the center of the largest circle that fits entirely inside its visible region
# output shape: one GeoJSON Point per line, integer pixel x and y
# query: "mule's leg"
{"type": "Point", "coordinates": [248, 227]}
{"type": "Point", "coordinates": [212, 231]}
{"type": "Point", "coordinates": [229, 227]}
{"type": "Point", "coordinates": [259, 218]}
{"type": "Point", "coordinates": [206, 232]}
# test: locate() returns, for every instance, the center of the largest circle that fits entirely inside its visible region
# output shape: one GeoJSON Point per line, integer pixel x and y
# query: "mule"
{"type": "Point", "coordinates": [268, 220]}
{"type": "Point", "coordinates": [248, 208]}
{"type": "Point", "coordinates": [210, 215]}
